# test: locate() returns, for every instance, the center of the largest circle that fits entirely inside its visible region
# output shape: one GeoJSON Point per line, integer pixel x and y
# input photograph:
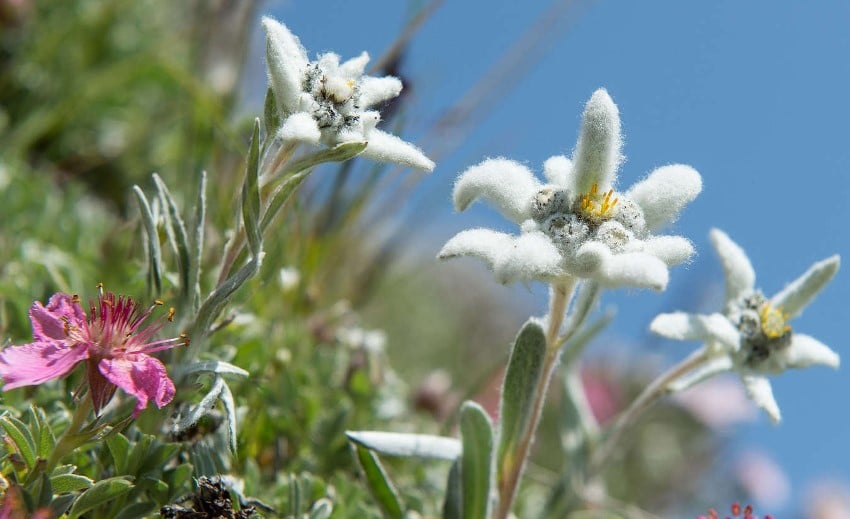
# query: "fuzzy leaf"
{"type": "Point", "coordinates": [20, 435]}
{"type": "Point", "coordinates": [102, 492]}
{"type": "Point", "coordinates": [206, 403]}
{"type": "Point", "coordinates": [119, 448]}
{"type": "Point", "coordinates": [198, 243]}
{"type": "Point", "coordinates": [476, 461]}
{"type": "Point", "coordinates": [226, 398]}
{"type": "Point", "coordinates": [211, 366]}
{"type": "Point", "coordinates": [407, 445]}
{"type": "Point", "coordinates": [65, 483]}
{"type": "Point", "coordinates": [379, 484]}
{"type": "Point", "coordinates": [154, 253]}
{"type": "Point", "coordinates": [525, 368]}
{"type": "Point", "coordinates": [176, 231]}
{"type": "Point", "coordinates": [271, 119]}
{"type": "Point", "coordinates": [321, 509]}
{"type": "Point", "coordinates": [251, 193]}
{"type": "Point", "coordinates": [46, 438]}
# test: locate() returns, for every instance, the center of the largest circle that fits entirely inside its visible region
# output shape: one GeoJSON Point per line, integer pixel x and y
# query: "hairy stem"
{"type": "Point", "coordinates": [650, 395]}
{"type": "Point", "coordinates": [561, 293]}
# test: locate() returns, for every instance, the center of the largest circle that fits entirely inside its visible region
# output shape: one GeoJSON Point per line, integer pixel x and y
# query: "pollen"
{"type": "Point", "coordinates": [774, 322]}
{"type": "Point", "coordinates": [597, 206]}
{"type": "Point", "coordinates": [170, 315]}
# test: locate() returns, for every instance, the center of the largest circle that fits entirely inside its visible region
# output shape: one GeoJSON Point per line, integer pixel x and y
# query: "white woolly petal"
{"type": "Point", "coordinates": [531, 256]}
{"type": "Point", "coordinates": [740, 276]}
{"type": "Point", "coordinates": [300, 127]}
{"type": "Point", "coordinates": [632, 269]}
{"type": "Point", "coordinates": [597, 152]}
{"type": "Point", "coordinates": [353, 68]}
{"type": "Point", "coordinates": [507, 185]}
{"type": "Point", "coordinates": [759, 390]}
{"type": "Point", "coordinates": [805, 351]}
{"type": "Point", "coordinates": [329, 63]}
{"type": "Point", "coordinates": [374, 90]}
{"type": "Point", "coordinates": [697, 327]}
{"type": "Point", "coordinates": [557, 170]}
{"type": "Point", "coordinates": [286, 60]}
{"type": "Point", "coordinates": [664, 192]}
{"type": "Point", "coordinates": [672, 250]}
{"type": "Point", "coordinates": [481, 243]}
{"type": "Point", "coordinates": [385, 147]}
{"type": "Point", "coordinates": [797, 294]}
{"type": "Point", "coordinates": [713, 366]}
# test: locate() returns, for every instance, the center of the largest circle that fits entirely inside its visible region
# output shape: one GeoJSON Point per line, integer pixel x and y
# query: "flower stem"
{"type": "Point", "coordinates": [561, 294]}
{"type": "Point", "coordinates": [70, 439]}
{"type": "Point", "coordinates": [650, 395]}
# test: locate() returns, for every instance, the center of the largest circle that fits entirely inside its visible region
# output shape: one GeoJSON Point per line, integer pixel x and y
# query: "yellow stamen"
{"type": "Point", "coordinates": [158, 302]}
{"type": "Point", "coordinates": [171, 313]}
{"type": "Point", "coordinates": [774, 322]}
{"type": "Point", "coordinates": [598, 207]}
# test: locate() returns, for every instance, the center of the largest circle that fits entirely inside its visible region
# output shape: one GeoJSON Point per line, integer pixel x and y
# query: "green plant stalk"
{"type": "Point", "coordinates": [509, 481]}
{"type": "Point", "coordinates": [656, 390]}
{"type": "Point", "coordinates": [71, 438]}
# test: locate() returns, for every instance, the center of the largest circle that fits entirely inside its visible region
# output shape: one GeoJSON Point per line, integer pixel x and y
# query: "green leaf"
{"type": "Point", "coordinates": [177, 478]}
{"type": "Point", "coordinates": [138, 454]}
{"type": "Point", "coordinates": [102, 492]}
{"type": "Point", "coordinates": [321, 509]}
{"type": "Point", "coordinates": [154, 253]}
{"type": "Point", "coordinates": [20, 435]}
{"type": "Point", "coordinates": [226, 398]}
{"type": "Point", "coordinates": [379, 484]}
{"type": "Point", "coordinates": [65, 483]}
{"type": "Point", "coordinates": [210, 366]}
{"type": "Point", "coordinates": [271, 119]}
{"type": "Point", "coordinates": [176, 231]}
{"type": "Point", "coordinates": [525, 368]}
{"type": "Point", "coordinates": [407, 445]}
{"type": "Point", "coordinates": [251, 193]}
{"type": "Point", "coordinates": [46, 439]}
{"type": "Point", "coordinates": [453, 504]}
{"type": "Point", "coordinates": [476, 461]}
{"type": "Point", "coordinates": [295, 173]}
{"type": "Point", "coordinates": [119, 448]}
{"type": "Point", "coordinates": [198, 243]}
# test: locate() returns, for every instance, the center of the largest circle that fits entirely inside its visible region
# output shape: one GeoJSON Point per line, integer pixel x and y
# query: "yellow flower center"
{"type": "Point", "coordinates": [596, 206]}
{"type": "Point", "coordinates": [774, 322]}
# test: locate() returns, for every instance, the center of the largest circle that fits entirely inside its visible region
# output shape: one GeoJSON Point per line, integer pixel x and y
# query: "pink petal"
{"type": "Point", "coordinates": [47, 323]}
{"type": "Point", "coordinates": [142, 376]}
{"type": "Point", "coordinates": [38, 362]}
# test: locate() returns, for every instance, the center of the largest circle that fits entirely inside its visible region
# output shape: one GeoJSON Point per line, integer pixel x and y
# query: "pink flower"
{"type": "Point", "coordinates": [113, 341]}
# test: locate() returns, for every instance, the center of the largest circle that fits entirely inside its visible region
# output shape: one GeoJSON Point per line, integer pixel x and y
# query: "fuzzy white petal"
{"type": "Point", "coordinates": [713, 366]}
{"type": "Point", "coordinates": [697, 327]}
{"type": "Point", "coordinates": [300, 127]}
{"type": "Point", "coordinates": [354, 68]}
{"type": "Point", "coordinates": [329, 63]}
{"type": "Point", "coordinates": [805, 351]}
{"type": "Point", "coordinates": [385, 147]}
{"type": "Point", "coordinates": [531, 256]}
{"type": "Point", "coordinates": [481, 243]}
{"type": "Point", "coordinates": [632, 269]}
{"type": "Point", "coordinates": [597, 154]}
{"type": "Point", "coordinates": [374, 90]}
{"type": "Point", "coordinates": [740, 276]}
{"type": "Point", "coordinates": [664, 192]}
{"type": "Point", "coordinates": [759, 390]}
{"type": "Point", "coordinates": [286, 60]}
{"type": "Point", "coordinates": [797, 294]}
{"type": "Point", "coordinates": [557, 170]}
{"type": "Point", "coordinates": [672, 250]}
{"type": "Point", "coordinates": [507, 185]}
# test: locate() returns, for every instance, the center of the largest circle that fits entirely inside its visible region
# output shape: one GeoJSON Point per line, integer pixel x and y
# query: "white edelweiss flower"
{"type": "Point", "coordinates": [752, 335]}
{"type": "Point", "coordinates": [577, 224]}
{"type": "Point", "coordinates": [329, 102]}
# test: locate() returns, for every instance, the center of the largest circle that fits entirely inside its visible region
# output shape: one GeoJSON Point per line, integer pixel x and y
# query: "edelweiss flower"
{"type": "Point", "coordinates": [327, 101]}
{"type": "Point", "coordinates": [753, 335]}
{"type": "Point", "coordinates": [112, 341]}
{"type": "Point", "coordinates": [577, 225]}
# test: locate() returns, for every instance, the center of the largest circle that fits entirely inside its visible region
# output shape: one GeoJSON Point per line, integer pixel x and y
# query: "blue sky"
{"type": "Point", "coordinates": [753, 94]}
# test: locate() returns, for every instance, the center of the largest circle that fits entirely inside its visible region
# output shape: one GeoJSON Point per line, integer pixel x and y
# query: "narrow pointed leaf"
{"type": "Point", "coordinates": [154, 253]}
{"type": "Point", "coordinates": [211, 366]}
{"type": "Point", "coordinates": [102, 492]}
{"type": "Point", "coordinates": [321, 509]}
{"type": "Point", "coordinates": [46, 438]}
{"type": "Point", "coordinates": [379, 484]}
{"type": "Point", "coordinates": [525, 368]}
{"type": "Point", "coordinates": [176, 231]}
{"type": "Point", "coordinates": [251, 193]}
{"type": "Point", "coordinates": [206, 403]}
{"type": "Point", "coordinates": [119, 448]}
{"type": "Point", "coordinates": [452, 504]}
{"type": "Point", "coordinates": [226, 398]}
{"type": "Point", "coordinates": [476, 461]}
{"type": "Point", "coordinates": [20, 435]}
{"type": "Point", "coordinates": [407, 445]}
{"type": "Point", "coordinates": [65, 483]}
{"type": "Point", "coordinates": [198, 243]}
{"type": "Point", "coordinates": [271, 119]}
